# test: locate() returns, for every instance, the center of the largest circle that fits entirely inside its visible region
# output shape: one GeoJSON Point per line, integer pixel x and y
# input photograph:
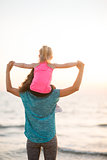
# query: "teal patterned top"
{"type": "Point", "coordinates": [40, 116]}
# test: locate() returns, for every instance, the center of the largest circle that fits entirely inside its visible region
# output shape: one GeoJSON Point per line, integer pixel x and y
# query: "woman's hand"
{"type": "Point", "coordinates": [10, 65]}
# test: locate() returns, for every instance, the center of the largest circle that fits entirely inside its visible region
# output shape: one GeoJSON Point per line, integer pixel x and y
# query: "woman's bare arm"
{"type": "Point", "coordinates": [24, 65]}
{"type": "Point", "coordinates": [14, 91]}
{"type": "Point", "coordinates": [76, 85]}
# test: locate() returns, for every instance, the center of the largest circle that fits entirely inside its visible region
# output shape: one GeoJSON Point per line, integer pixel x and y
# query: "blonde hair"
{"type": "Point", "coordinates": [45, 54]}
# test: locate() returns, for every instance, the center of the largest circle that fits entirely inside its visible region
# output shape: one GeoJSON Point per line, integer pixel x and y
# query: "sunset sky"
{"type": "Point", "coordinates": [74, 29]}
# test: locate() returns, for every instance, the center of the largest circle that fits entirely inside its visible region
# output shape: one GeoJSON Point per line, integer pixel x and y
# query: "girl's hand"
{"type": "Point", "coordinates": [10, 65]}
{"type": "Point", "coordinates": [80, 64]}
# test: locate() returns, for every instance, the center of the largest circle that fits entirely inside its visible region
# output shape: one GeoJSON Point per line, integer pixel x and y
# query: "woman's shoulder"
{"type": "Point", "coordinates": [56, 93]}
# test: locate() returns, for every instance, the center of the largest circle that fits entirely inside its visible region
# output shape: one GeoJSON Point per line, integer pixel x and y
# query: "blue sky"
{"type": "Point", "coordinates": [74, 29]}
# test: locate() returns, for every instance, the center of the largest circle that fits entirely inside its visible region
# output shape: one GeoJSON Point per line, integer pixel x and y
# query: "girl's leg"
{"type": "Point", "coordinates": [33, 150]}
{"type": "Point", "coordinates": [50, 149]}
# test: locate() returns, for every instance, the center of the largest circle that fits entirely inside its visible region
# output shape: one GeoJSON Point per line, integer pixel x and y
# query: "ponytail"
{"type": "Point", "coordinates": [45, 52]}
{"type": "Point", "coordinates": [26, 84]}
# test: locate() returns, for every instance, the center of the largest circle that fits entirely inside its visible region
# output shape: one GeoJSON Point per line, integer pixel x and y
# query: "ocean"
{"type": "Point", "coordinates": [81, 127]}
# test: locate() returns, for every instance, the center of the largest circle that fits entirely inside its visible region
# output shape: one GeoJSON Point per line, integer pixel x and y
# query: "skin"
{"type": "Point", "coordinates": [63, 92]}
{"type": "Point", "coordinates": [55, 65]}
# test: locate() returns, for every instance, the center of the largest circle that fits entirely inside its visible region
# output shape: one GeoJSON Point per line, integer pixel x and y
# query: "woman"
{"type": "Point", "coordinates": [40, 114]}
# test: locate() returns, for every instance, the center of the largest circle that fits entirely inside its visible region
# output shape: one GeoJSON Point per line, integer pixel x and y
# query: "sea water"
{"type": "Point", "coordinates": [81, 127]}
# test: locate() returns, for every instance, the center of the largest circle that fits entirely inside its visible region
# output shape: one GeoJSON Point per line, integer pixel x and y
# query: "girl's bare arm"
{"type": "Point", "coordinates": [24, 65]}
{"type": "Point", "coordinates": [65, 65]}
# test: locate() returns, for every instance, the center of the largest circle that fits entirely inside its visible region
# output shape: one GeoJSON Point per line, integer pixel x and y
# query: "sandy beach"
{"type": "Point", "coordinates": [62, 156]}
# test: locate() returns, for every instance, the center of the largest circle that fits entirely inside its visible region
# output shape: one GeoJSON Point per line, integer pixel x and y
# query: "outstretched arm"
{"type": "Point", "coordinates": [24, 65]}
{"type": "Point", "coordinates": [65, 65]}
{"type": "Point", "coordinates": [9, 87]}
{"type": "Point", "coordinates": [76, 85]}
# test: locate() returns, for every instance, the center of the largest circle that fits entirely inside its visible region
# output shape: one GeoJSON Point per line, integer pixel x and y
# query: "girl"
{"type": "Point", "coordinates": [40, 85]}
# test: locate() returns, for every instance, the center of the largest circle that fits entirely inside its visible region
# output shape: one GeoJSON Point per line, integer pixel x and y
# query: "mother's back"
{"type": "Point", "coordinates": [40, 116]}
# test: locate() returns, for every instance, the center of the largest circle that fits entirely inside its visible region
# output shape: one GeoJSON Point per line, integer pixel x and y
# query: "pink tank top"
{"type": "Point", "coordinates": [42, 78]}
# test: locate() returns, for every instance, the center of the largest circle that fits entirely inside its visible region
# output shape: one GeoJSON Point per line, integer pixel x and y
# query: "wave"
{"type": "Point", "coordinates": [102, 125]}
{"type": "Point", "coordinates": [11, 126]}
{"type": "Point", "coordinates": [68, 150]}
